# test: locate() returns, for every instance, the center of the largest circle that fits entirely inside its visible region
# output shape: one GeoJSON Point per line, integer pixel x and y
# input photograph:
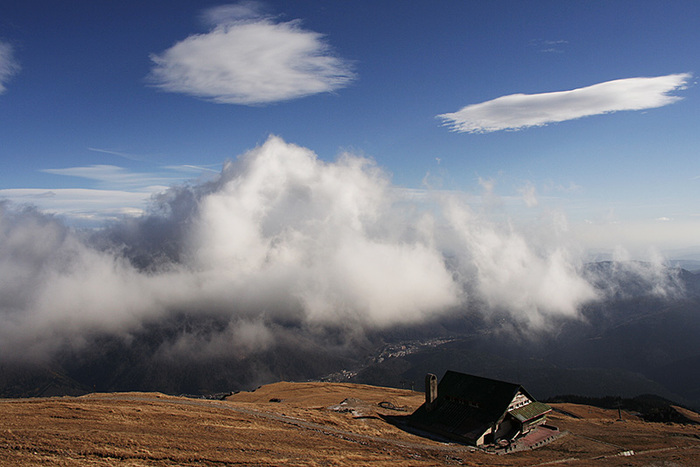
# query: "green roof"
{"type": "Point", "coordinates": [530, 411]}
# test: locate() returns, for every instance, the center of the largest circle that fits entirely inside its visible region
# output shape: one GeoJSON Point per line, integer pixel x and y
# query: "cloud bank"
{"type": "Point", "coordinates": [280, 239]}
{"type": "Point", "coordinates": [8, 65]}
{"type": "Point", "coordinates": [247, 58]}
{"type": "Point", "coordinates": [518, 111]}
{"type": "Point", "coordinates": [81, 206]}
{"type": "Point", "coordinates": [121, 192]}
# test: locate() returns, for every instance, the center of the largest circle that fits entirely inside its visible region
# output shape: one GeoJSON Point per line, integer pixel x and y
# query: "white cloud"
{"type": "Point", "coordinates": [81, 206]}
{"type": "Point", "coordinates": [250, 59]}
{"type": "Point", "coordinates": [549, 46]}
{"type": "Point", "coordinates": [114, 176]}
{"type": "Point", "coordinates": [532, 277]}
{"type": "Point", "coordinates": [517, 111]}
{"type": "Point", "coordinates": [198, 169]}
{"type": "Point", "coordinates": [529, 194]}
{"type": "Point", "coordinates": [118, 178]}
{"type": "Point", "coordinates": [8, 65]}
{"type": "Point", "coordinates": [122, 193]}
{"type": "Point", "coordinates": [283, 240]}
{"type": "Point", "coordinates": [232, 13]}
{"type": "Point", "coordinates": [280, 239]}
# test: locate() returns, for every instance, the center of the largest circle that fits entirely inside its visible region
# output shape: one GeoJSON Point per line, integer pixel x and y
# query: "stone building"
{"type": "Point", "coordinates": [477, 411]}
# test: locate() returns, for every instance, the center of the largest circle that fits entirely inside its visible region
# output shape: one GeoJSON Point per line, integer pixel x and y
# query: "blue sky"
{"type": "Point", "coordinates": [104, 103]}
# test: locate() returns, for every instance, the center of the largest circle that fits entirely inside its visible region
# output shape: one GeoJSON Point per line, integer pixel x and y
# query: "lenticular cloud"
{"type": "Point", "coordinates": [517, 111]}
{"type": "Point", "coordinates": [280, 239]}
{"type": "Point", "coordinates": [250, 59]}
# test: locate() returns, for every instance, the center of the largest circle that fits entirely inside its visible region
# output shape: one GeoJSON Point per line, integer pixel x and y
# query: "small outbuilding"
{"type": "Point", "coordinates": [477, 411]}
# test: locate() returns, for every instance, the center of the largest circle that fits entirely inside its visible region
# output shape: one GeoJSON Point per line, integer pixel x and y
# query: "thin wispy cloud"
{"type": "Point", "coordinates": [518, 111]}
{"type": "Point", "coordinates": [196, 169]}
{"type": "Point", "coordinates": [111, 176]}
{"type": "Point", "coordinates": [118, 178]}
{"type": "Point", "coordinates": [118, 192]}
{"type": "Point", "coordinates": [549, 46]}
{"type": "Point", "coordinates": [248, 58]}
{"type": "Point", "coordinates": [8, 65]}
{"type": "Point", "coordinates": [193, 168]}
{"type": "Point", "coordinates": [125, 155]}
{"type": "Point", "coordinates": [81, 205]}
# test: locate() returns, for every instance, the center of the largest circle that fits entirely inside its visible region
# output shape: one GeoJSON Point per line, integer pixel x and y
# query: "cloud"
{"type": "Point", "coordinates": [111, 175]}
{"type": "Point", "coordinates": [532, 278]}
{"type": "Point", "coordinates": [81, 206]}
{"type": "Point", "coordinates": [233, 13]}
{"type": "Point", "coordinates": [250, 59]}
{"type": "Point", "coordinates": [549, 46]}
{"type": "Point", "coordinates": [517, 111]}
{"type": "Point", "coordinates": [121, 193]}
{"type": "Point", "coordinates": [529, 194]}
{"type": "Point", "coordinates": [8, 65]}
{"type": "Point", "coordinates": [624, 278]}
{"type": "Point", "coordinates": [114, 177]}
{"type": "Point", "coordinates": [125, 155]}
{"type": "Point", "coordinates": [279, 240]}
{"type": "Point", "coordinates": [198, 169]}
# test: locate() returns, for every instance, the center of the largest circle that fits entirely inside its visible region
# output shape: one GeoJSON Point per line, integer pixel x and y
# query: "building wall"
{"type": "Point", "coordinates": [519, 400]}
{"type": "Point", "coordinates": [508, 429]}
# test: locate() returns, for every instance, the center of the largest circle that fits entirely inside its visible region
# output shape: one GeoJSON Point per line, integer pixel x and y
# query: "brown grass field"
{"type": "Point", "coordinates": [302, 427]}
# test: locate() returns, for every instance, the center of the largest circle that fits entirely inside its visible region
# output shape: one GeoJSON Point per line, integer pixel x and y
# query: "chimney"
{"type": "Point", "coordinates": [431, 388]}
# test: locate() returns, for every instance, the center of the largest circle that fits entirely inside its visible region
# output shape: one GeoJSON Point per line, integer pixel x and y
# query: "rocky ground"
{"type": "Point", "coordinates": [304, 424]}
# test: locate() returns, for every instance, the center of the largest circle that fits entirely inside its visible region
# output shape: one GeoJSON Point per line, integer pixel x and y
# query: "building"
{"type": "Point", "coordinates": [477, 411]}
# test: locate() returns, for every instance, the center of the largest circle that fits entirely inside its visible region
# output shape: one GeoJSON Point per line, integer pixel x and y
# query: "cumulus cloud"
{"type": "Point", "coordinates": [8, 65]}
{"type": "Point", "coordinates": [247, 58]}
{"type": "Point", "coordinates": [532, 279]}
{"type": "Point", "coordinates": [279, 240]}
{"type": "Point", "coordinates": [57, 290]}
{"type": "Point", "coordinates": [518, 111]}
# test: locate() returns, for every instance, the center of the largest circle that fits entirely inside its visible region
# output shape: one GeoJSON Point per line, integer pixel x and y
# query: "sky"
{"type": "Point", "coordinates": [355, 164]}
{"type": "Point", "coordinates": [589, 108]}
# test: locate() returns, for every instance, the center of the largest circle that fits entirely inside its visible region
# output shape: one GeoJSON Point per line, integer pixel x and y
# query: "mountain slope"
{"type": "Point", "coordinates": [299, 424]}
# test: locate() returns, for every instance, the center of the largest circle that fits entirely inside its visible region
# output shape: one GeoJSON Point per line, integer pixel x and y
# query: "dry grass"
{"type": "Point", "coordinates": [142, 429]}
